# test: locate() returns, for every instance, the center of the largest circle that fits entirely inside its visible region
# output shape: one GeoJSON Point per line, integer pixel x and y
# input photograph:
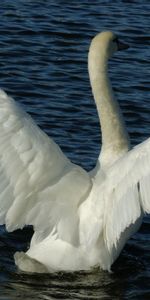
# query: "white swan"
{"type": "Point", "coordinates": [80, 220]}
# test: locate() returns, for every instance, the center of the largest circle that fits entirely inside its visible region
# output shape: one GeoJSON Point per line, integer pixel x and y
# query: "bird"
{"type": "Point", "coordinates": [81, 219]}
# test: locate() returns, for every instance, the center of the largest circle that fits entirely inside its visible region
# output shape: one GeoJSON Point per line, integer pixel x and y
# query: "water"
{"type": "Point", "coordinates": [43, 63]}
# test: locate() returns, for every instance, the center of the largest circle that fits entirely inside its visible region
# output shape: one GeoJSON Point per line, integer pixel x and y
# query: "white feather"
{"type": "Point", "coordinates": [127, 190]}
{"type": "Point", "coordinates": [34, 173]}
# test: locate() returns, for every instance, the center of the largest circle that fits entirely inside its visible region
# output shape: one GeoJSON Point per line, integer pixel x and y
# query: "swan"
{"type": "Point", "coordinates": [80, 219]}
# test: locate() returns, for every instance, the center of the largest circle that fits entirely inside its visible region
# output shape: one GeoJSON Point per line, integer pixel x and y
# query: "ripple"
{"type": "Point", "coordinates": [43, 59]}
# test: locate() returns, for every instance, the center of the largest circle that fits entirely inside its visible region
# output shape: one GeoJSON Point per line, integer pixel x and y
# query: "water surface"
{"type": "Point", "coordinates": [43, 62]}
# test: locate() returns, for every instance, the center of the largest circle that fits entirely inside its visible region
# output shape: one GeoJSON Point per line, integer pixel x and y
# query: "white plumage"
{"type": "Point", "coordinates": [80, 219]}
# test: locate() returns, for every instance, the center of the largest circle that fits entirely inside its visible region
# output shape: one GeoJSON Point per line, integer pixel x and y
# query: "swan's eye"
{"type": "Point", "coordinates": [115, 40]}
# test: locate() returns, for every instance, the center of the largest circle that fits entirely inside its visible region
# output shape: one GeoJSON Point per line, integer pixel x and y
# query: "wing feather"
{"type": "Point", "coordinates": [37, 181]}
{"type": "Point", "coordinates": [127, 192]}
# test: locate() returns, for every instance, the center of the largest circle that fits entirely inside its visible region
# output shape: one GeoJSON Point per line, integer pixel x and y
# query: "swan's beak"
{"type": "Point", "coordinates": [122, 46]}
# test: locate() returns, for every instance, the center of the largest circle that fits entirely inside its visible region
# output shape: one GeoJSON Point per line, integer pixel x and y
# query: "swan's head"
{"type": "Point", "coordinates": [106, 44]}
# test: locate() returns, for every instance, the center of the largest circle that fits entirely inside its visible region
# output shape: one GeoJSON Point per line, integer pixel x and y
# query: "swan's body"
{"type": "Point", "coordinates": [80, 219]}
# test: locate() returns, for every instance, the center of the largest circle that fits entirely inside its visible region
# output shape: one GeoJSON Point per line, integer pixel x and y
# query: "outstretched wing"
{"type": "Point", "coordinates": [127, 192]}
{"type": "Point", "coordinates": [38, 184]}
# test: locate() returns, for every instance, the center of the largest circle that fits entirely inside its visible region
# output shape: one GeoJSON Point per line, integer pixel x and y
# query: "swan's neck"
{"type": "Point", "coordinates": [115, 140]}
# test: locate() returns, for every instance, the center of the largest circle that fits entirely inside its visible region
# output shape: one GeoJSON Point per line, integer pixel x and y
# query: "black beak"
{"type": "Point", "coordinates": [122, 46]}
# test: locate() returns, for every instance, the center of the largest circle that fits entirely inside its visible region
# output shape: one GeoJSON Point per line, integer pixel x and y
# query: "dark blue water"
{"type": "Point", "coordinates": [43, 65]}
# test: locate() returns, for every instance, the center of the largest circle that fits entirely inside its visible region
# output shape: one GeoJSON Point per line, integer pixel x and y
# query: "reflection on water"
{"type": "Point", "coordinates": [129, 275]}
{"type": "Point", "coordinates": [43, 60]}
